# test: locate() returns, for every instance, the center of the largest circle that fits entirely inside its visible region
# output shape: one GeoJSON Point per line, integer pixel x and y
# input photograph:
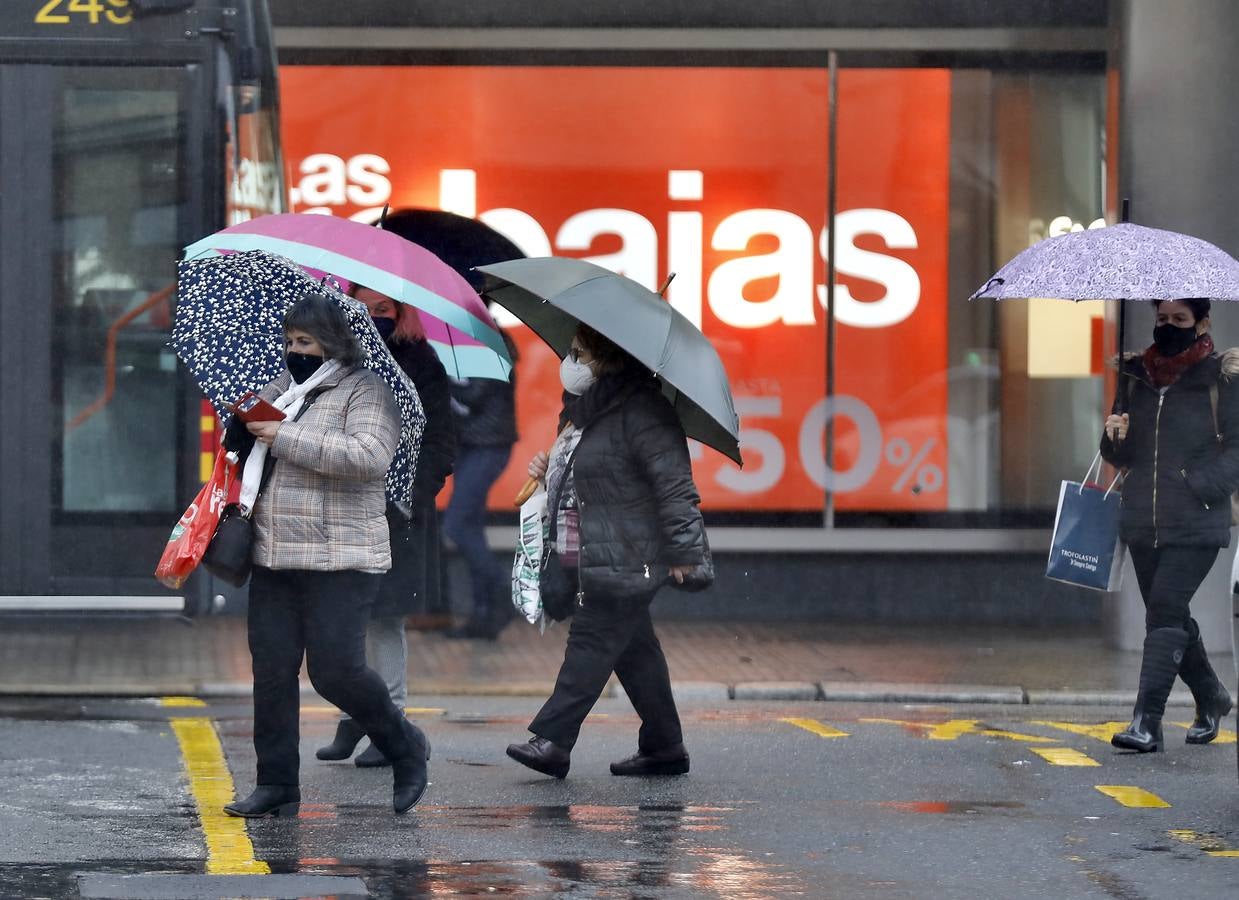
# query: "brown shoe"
{"type": "Point", "coordinates": [671, 761]}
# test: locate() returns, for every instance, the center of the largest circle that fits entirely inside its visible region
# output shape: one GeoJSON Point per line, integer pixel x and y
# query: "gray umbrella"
{"type": "Point", "coordinates": [553, 294]}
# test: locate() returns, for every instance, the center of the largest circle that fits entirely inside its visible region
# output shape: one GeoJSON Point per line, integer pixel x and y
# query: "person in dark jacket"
{"type": "Point", "coordinates": [1179, 442]}
{"type": "Point", "coordinates": [485, 418]}
{"type": "Point", "coordinates": [627, 522]}
{"type": "Point", "coordinates": [412, 584]}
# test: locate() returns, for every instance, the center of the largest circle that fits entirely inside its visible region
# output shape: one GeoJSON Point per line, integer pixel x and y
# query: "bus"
{"type": "Point", "coordinates": [128, 129]}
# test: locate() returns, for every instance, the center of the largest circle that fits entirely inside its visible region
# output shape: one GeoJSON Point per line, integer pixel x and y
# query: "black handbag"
{"type": "Point", "coordinates": [228, 556]}
{"type": "Point", "coordinates": [558, 590]}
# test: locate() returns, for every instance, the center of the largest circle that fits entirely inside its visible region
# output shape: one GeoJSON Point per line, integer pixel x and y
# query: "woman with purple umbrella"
{"type": "Point", "coordinates": [1175, 429]}
{"type": "Point", "coordinates": [411, 586]}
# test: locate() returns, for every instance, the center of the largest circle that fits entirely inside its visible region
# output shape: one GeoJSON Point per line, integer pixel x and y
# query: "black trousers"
{"type": "Point", "coordinates": [1168, 577]}
{"type": "Point", "coordinates": [322, 617]}
{"type": "Point", "coordinates": [611, 636]}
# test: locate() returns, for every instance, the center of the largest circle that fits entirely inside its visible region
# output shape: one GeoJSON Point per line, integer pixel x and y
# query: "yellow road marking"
{"type": "Point", "coordinates": [949, 731]}
{"type": "Point", "coordinates": [1130, 795]}
{"type": "Point", "coordinates": [181, 701]}
{"type": "Point", "coordinates": [816, 727]}
{"type": "Point", "coordinates": [1064, 756]}
{"type": "Point", "coordinates": [229, 851]}
{"type": "Point", "coordinates": [1224, 736]}
{"type": "Point", "coordinates": [1101, 732]}
{"type": "Point", "coordinates": [1206, 842]}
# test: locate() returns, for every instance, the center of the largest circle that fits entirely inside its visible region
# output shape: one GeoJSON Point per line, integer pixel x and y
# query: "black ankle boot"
{"type": "Point", "coordinates": [267, 800]}
{"type": "Point", "coordinates": [410, 775]}
{"type": "Point", "coordinates": [348, 735]}
{"type": "Point", "coordinates": [1212, 699]}
{"type": "Point", "coordinates": [542, 756]}
{"type": "Point", "coordinates": [671, 760]}
{"type": "Point", "coordinates": [1163, 654]}
{"type": "Point", "coordinates": [371, 758]}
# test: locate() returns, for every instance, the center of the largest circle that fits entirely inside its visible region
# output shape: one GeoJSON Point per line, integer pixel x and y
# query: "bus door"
{"type": "Point", "coordinates": [102, 181]}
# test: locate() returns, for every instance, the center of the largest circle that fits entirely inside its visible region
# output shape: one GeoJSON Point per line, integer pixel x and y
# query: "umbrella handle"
{"type": "Point", "coordinates": [526, 491]}
{"type": "Point", "coordinates": [531, 484]}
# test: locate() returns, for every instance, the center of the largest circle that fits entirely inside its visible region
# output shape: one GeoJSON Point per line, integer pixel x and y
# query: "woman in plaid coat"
{"type": "Point", "coordinates": [314, 481]}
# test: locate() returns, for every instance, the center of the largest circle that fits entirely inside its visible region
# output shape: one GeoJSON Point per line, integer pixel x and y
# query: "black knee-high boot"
{"type": "Point", "coordinates": [1163, 654]}
{"type": "Point", "coordinates": [1212, 699]}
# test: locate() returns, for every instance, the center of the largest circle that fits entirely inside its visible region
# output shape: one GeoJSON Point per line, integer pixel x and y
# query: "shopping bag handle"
{"type": "Point", "coordinates": [1088, 473]}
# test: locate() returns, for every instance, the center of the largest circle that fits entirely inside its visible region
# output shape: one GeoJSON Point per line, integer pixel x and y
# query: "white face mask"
{"type": "Point", "coordinates": [576, 377]}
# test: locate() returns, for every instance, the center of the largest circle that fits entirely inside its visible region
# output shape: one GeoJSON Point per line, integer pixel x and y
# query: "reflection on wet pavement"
{"type": "Point", "coordinates": [658, 863]}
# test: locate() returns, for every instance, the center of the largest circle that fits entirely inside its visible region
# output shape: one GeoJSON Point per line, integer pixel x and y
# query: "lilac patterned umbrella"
{"type": "Point", "coordinates": [1119, 262]}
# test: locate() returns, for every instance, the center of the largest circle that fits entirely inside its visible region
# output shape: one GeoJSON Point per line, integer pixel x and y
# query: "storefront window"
{"type": "Point", "coordinates": [943, 408]}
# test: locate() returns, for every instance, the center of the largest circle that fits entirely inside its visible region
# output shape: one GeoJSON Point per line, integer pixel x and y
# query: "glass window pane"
{"type": "Point", "coordinates": [116, 168]}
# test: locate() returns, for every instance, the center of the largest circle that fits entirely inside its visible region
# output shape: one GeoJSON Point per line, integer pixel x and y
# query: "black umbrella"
{"type": "Point", "coordinates": [552, 295]}
{"type": "Point", "coordinates": [229, 332]}
{"type": "Point", "coordinates": [460, 242]}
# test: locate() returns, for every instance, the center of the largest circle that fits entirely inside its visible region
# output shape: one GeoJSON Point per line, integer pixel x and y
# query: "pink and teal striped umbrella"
{"type": "Point", "coordinates": [457, 322]}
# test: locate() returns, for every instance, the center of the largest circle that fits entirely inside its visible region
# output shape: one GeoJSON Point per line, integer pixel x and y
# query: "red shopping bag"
{"type": "Point", "coordinates": [192, 534]}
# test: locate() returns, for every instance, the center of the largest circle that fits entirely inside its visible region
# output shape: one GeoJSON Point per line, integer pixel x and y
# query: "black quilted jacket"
{"type": "Point", "coordinates": [635, 495]}
{"type": "Point", "coordinates": [1180, 475]}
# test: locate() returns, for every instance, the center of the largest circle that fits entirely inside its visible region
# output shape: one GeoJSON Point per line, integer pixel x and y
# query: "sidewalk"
{"type": "Point", "coordinates": [708, 660]}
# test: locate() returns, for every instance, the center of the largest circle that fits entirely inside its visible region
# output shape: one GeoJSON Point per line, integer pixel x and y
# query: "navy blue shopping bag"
{"type": "Point", "coordinates": [1086, 550]}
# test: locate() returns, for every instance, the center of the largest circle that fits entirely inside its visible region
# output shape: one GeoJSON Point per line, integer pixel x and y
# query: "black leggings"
{"type": "Point", "coordinates": [1168, 578]}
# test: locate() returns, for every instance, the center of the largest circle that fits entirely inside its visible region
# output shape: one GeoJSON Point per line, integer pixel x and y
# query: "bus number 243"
{"type": "Point", "coordinates": [48, 15]}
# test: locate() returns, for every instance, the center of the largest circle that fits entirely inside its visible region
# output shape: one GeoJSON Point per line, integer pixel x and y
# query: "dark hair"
{"type": "Point", "coordinates": [611, 357]}
{"type": "Point", "coordinates": [321, 317]}
{"type": "Point", "coordinates": [1198, 305]}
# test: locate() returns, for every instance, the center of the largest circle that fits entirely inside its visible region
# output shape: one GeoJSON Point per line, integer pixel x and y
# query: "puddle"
{"type": "Point", "coordinates": [951, 807]}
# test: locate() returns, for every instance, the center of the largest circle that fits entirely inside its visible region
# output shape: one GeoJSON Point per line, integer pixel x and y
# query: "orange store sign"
{"type": "Point", "coordinates": [719, 175]}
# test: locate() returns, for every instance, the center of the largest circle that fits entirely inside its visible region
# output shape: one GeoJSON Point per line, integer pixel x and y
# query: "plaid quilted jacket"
{"type": "Point", "coordinates": [322, 507]}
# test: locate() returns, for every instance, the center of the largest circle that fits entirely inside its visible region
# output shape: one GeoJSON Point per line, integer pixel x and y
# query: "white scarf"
{"type": "Point", "coordinates": [290, 402]}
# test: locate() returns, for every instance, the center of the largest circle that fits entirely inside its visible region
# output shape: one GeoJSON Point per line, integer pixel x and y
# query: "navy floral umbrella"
{"type": "Point", "coordinates": [229, 332]}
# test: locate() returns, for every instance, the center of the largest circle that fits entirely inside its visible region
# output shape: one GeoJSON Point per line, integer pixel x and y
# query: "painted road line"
{"type": "Point", "coordinates": [813, 725]}
{"type": "Point", "coordinates": [182, 701]}
{"type": "Point", "coordinates": [952, 730]}
{"type": "Point", "coordinates": [1209, 843]}
{"type": "Point", "coordinates": [1064, 756]}
{"type": "Point", "coordinates": [1132, 796]}
{"type": "Point", "coordinates": [229, 851]}
{"type": "Point", "coordinates": [1101, 732]}
{"type": "Point", "coordinates": [1224, 736]}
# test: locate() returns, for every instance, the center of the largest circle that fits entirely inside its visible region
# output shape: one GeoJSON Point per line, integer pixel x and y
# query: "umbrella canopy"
{"type": "Point", "coordinates": [553, 295]}
{"type": "Point", "coordinates": [460, 242]}
{"type": "Point", "coordinates": [229, 332]}
{"type": "Point", "coordinates": [1119, 262]}
{"type": "Point", "coordinates": [383, 261]}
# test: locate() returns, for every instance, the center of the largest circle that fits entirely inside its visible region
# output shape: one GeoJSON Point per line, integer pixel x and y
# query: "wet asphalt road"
{"type": "Point", "coordinates": [784, 799]}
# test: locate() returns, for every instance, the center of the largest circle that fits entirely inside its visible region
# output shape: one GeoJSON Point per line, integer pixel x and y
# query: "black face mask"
{"type": "Point", "coordinates": [302, 365]}
{"type": "Point", "coordinates": [385, 326]}
{"type": "Point", "coordinates": [1171, 340]}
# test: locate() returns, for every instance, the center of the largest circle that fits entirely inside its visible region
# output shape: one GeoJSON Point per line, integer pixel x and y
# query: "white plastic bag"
{"type": "Point", "coordinates": [527, 564]}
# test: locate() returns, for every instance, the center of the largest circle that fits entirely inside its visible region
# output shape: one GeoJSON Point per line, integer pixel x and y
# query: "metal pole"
{"type": "Point", "coordinates": [832, 98]}
{"type": "Point", "coordinates": [1124, 216]}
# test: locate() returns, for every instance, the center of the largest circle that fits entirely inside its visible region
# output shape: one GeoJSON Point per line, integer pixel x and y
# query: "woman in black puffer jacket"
{"type": "Point", "coordinates": [1179, 442]}
{"type": "Point", "coordinates": [627, 523]}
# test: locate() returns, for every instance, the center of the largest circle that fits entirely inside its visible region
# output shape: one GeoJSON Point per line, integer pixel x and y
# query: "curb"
{"type": "Point", "coordinates": [684, 691]}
